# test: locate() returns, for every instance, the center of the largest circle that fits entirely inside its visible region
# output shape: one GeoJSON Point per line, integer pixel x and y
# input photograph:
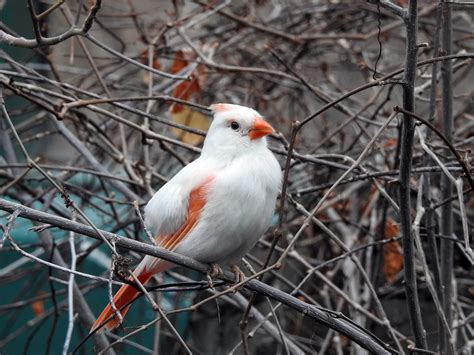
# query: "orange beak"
{"type": "Point", "coordinates": [259, 129]}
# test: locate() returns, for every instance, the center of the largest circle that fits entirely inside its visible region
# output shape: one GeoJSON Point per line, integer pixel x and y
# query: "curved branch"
{"type": "Point", "coordinates": [40, 41]}
{"type": "Point", "coordinates": [333, 320]}
{"type": "Point", "coordinates": [460, 160]}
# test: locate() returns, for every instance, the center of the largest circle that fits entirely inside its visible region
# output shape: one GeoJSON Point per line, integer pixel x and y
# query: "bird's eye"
{"type": "Point", "coordinates": [234, 125]}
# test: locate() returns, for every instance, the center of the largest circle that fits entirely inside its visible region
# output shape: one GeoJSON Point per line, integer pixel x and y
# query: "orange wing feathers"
{"type": "Point", "coordinates": [196, 202]}
{"type": "Point", "coordinates": [121, 298]}
{"type": "Point", "coordinates": [126, 293]}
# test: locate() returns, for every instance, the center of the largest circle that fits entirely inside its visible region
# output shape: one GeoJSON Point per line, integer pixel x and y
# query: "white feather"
{"type": "Point", "coordinates": [240, 200]}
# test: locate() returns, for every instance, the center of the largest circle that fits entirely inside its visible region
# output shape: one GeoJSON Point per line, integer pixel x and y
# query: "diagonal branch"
{"type": "Point", "coordinates": [333, 320]}
{"type": "Point", "coordinates": [49, 41]}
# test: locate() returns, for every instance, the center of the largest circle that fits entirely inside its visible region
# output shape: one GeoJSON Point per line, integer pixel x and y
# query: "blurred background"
{"type": "Point", "coordinates": [112, 114]}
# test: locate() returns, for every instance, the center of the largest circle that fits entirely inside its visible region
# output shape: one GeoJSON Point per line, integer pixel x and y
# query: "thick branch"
{"type": "Point", "coordinates": [49, 41]}
{"type": "Point", "coordinates": [408, 130]}
{"type": "Point", "coordinates": [389, 5]}
{"type": "Point", "coordinates": [446, 221]}
{"type": "Point", "coordinates": [323, 316]}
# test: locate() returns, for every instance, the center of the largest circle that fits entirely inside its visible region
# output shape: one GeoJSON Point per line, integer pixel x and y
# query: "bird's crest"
{"type": "Point", "coordinates": [220, 107]}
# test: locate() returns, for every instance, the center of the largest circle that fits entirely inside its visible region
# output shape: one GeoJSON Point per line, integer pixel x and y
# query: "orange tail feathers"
{"type": "Point", "coordinates": [125, 294]}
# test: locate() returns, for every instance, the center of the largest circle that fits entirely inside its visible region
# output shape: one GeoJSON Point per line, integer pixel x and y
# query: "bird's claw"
{"type": "Point", "coordinates": [238, 274]}
{"type": "Point", "coordinates": [215, 271]}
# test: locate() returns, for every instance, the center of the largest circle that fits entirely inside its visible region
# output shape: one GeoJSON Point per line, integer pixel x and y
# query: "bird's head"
{"type": "Point", "coordinates": [235, 129]}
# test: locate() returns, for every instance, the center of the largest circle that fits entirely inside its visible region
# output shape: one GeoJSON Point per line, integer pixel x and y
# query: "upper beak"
{"type": "Point", "coordinates": [260, 128]}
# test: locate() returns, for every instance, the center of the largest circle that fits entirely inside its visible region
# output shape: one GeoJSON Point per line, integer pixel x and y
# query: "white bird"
{"type": "Point", "coordinates": [217, 207]}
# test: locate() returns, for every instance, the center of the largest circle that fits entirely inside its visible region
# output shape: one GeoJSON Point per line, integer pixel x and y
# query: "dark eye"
{"type": "Point", "coordinates": [234, 125]}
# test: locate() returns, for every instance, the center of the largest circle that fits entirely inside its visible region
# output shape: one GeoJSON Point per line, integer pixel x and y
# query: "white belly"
{"type": "Point", "coordinates": [239, 209]}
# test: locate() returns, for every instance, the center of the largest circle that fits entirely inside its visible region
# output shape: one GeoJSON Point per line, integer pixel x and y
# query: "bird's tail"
{"type": "Point", "coordinates": [125, 294]}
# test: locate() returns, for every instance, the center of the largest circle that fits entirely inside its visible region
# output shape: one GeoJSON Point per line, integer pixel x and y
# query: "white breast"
{"type": "Point", "coordinates": [239, 209]}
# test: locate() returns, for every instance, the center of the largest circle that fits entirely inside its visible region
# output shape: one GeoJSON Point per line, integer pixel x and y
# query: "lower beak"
{"type": "Point", "coordinates": [259, 129]}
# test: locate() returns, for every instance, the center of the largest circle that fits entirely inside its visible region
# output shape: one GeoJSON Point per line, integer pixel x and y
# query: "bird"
{"type": "Point", "coordinates": [214, 209]}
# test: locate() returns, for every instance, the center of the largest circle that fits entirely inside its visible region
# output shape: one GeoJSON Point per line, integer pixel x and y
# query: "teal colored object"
{"type": "Point", "coordinates": [27, 279]}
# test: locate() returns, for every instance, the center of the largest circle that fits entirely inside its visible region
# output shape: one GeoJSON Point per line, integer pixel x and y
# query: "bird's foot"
{"type": "Point", "coordinates": [215, 271]}
{"type": "Point", "coordinates": [239, 275]}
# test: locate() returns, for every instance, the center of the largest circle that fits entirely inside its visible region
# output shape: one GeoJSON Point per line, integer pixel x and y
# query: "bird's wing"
{"type": "Point", "coordinates": [195, 202]}
{"type": "Point", "coordinates": [175, 209]}
{"type": "Point", "coordinates": [167, 210]}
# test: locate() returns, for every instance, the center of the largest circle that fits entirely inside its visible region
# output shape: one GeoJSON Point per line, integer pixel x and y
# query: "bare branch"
{"type": "Point", "coordinates": [331, 319]}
